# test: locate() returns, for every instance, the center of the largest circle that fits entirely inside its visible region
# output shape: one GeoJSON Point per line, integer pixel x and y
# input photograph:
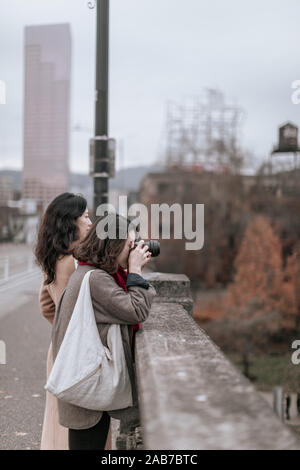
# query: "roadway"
{"type": "Point", "coordinates": [27, 337]}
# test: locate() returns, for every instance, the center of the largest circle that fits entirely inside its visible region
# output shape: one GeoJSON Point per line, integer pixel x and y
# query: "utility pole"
{"type": "Point", "coordinates": [99, 153]}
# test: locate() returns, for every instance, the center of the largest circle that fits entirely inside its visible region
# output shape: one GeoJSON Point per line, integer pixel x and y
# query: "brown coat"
{"type": "Point", "coordinates": [111, 305]}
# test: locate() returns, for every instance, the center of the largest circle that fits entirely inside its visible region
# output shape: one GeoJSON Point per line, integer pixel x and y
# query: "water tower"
{"type": "Point", "coordinates": [287, 144]}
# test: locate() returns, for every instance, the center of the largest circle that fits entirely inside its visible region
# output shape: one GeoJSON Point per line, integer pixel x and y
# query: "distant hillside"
{"type": "Point", "coordinates": [127, 179]}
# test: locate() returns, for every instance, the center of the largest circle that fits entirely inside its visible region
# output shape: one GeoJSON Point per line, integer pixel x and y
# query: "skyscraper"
{"type": "Point", "coordinates": [46, 111]}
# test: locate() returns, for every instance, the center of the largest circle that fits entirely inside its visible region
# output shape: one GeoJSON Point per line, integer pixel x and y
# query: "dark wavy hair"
{"type": "Point", "coordinates": [103, 252]}
{"type": "Point", "coordinates": [57, 231]}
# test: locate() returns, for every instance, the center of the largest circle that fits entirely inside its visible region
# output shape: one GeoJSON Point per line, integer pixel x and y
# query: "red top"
{"type": "Point", "coordinates": [120, 277]}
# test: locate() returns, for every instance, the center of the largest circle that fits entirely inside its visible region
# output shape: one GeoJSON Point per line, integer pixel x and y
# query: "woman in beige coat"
{"type": "Point", "coordinates": [65, 223]}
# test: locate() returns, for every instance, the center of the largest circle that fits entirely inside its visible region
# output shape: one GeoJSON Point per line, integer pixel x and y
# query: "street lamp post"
{"type": "Point", "coordinates": [100, 164]}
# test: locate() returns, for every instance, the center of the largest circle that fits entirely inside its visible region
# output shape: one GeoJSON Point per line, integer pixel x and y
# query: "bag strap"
{"type": "Point", "coordinates": [85, 280]}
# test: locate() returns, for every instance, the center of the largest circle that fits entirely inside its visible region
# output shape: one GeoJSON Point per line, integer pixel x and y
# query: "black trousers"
{"type": "Point", "coordinates": [93, 438]}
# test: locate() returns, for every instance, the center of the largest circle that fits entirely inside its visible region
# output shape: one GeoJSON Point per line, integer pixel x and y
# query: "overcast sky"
{"type": "Point", "coordinates": [160, 50]}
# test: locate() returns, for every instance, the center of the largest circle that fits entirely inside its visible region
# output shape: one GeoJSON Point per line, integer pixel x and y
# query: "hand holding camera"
{"type": "Point", "coordinates": [138, 257]}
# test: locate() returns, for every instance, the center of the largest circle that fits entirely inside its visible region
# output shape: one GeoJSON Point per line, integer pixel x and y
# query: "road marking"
{"type": "Point", "coordinates": [18, 276]}
{"type": "Point", "coordinates": [12, 285]}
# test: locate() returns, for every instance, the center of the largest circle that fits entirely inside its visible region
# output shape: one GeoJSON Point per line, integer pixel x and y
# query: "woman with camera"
{"type": "Point", "coordinates": [118, 297]}
{"type": "Point", "coordinates": [65, 222]}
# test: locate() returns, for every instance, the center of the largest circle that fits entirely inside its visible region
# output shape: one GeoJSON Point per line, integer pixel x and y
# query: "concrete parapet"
{"type": "Point", "coordinates": [190, 395]}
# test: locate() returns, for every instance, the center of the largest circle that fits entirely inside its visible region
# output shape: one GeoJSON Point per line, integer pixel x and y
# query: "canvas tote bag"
{"type": "Point", "coordinates": [85, 373]}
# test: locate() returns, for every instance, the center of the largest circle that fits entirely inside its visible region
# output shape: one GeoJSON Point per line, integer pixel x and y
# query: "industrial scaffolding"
{"type": "Point", "coordinates": [203, 131]}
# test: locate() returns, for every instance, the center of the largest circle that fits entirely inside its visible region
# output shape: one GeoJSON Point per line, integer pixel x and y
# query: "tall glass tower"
{"type": "Point", "coordinates": [46, 111]}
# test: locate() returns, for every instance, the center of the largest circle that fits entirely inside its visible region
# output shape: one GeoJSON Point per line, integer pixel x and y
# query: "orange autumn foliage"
{"type": "Point", "coordinates": [290, 294]}
{"type": "Point", "coordinates": [261, 286]}
{"type": "Point", "coordinates": [258, 280]}
{"type": "Point", "coordinates": [211, 310]}
{"type": "Point", "coordinates": [263, 296]}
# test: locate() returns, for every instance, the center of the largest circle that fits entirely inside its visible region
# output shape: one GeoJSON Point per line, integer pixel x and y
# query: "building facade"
{"type": "Point", "coordinates": [6, 190]}
{"type": "Point", "coordinates": [46, 111]}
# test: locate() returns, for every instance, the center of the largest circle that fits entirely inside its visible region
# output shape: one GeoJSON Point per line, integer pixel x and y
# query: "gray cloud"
{"type": "Point", "coordinates": [161, 50]}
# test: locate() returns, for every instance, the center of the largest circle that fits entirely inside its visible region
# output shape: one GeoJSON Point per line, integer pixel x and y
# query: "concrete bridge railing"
{"type": "Point", "coordinates": [190, 395]}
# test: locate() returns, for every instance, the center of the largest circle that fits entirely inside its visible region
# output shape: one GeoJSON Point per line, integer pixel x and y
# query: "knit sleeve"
{"type": "Point", "coordinates": [134, 279]}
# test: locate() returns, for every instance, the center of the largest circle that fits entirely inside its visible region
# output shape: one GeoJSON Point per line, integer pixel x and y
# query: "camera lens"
{"type": "Point", "coordinates": [153, 246]}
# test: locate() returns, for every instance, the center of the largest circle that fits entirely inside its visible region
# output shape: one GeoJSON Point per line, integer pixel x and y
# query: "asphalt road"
{"type": "Point", "coordinates": [27, 337]}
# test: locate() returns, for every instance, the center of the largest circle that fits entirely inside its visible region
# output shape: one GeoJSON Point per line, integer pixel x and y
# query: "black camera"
{"type": "Point", "coordinates": [153, 246]}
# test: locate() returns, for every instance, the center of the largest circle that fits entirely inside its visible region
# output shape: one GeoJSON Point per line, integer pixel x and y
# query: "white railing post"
{"type": "Point", "coordinates": [6, 268]}
{"type": "Point", "coordinates": [278, 405]}
{"type": "Point", "coordinates": [30, 263]}
{"type": "Point", "coordinates": [2, 352]}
